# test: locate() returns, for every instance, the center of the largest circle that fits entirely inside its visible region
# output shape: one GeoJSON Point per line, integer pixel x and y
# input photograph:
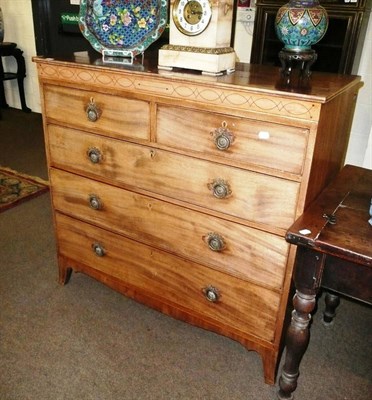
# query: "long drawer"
{"type": "Point", "coordinates": [244, 140]}
{"type": "Point", "coordinates": [116, 116]}
{"type": "Point", "coordinates": [232, 191]}
{"type": "Point", "coordinates": [229, 247]}
{"type": "Point", "coordinates": [239, 304]}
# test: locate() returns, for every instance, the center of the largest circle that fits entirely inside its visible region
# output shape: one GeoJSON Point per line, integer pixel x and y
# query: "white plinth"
{"type": "Point", "coordinates": [207, 62]}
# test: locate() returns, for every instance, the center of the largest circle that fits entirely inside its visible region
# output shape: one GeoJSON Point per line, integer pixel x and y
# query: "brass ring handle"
{"type": "Point", "coordinates": [94, 155]}
{"type": "Point", "coordinates": [220, 188]}
{"type": "Point", "coordinates": [92, 110]}
{"type": "Point", "coordinates": [98, 249]}
{"type": "Point", "coordinates": [211, 293]}
{"type": "Point", "coordinates": [223, 138]}
{"type": "Point", "coordinates": [215, 241]}
{"type": "Point", "coordinates": [95, 202]}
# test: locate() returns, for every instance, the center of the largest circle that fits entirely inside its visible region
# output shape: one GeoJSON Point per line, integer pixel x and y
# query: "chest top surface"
{"type": "Point", "coordinates": [257, 78]}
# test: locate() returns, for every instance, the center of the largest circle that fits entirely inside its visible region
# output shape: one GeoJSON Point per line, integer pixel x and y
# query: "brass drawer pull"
{"type": "Point", "coordinates": [211, 293]}
{"type": "Point", "coordinates": [92, 110]}
{"type": "Point", "coordinates": [95, 202]}
{"type": "Point", "coordinates": [220, 188]}
{"type": "Point", "coordinates": [98, 249]}
{"type": "Point", "coordinates": [215, 241]}
{"type": "Point", "coordinates": [94, 155]}
{"type": "Point", "coordinates": [223, 138]}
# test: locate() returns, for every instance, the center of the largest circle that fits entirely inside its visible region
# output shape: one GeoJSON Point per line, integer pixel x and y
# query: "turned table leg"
{"type": "Point", "coordinates": [296, 343]}
{"type": "Point", "coordinates": [332, 301]}
{"type": "Point", "coordinates": [307, 277]}
{"type": "Point", "coordinates": [21, 73]}
{"type": "Point", "coordinates": [3, 103]}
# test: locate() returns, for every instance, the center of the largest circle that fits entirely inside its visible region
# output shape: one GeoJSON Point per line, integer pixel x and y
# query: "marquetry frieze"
{"type": "Point", "coordinates": [239, 97]}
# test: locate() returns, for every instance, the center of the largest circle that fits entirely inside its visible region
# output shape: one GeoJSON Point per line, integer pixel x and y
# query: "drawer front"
{"type": "Point", "coordinates": [117, 117]}
{"type": "Point", "coordinates": [242, 140]}
{"type": "Point", "coordinates": [233, 248]}
{"type": "Point", "coordinates": [241, 305]}
{"type": "Point", "coordinates": [252, 196]}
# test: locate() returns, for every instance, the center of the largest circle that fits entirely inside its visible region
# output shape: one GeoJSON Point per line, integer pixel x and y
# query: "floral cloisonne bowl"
{"type": "Point", "coordinates": [122, 28]}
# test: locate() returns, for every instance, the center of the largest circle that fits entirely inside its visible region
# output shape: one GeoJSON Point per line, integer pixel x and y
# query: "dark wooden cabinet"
{"type": "Point", "coordinates": [337, 51]}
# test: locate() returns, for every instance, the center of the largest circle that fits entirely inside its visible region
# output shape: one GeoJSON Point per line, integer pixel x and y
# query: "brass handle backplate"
{"type": "Point", "coordinates": [212, 294]}
{"type": "Point", "coordinates": [220, 188]}
{"type": "Point", "coordinates": [92, 110]}
{"type": "Point", "coordinates": [95, 202]}
{"type": "Point", "coordinates": [94, 155]}
{"type": "Point", "coordinates": [215, 241]}
{"type": "Point", "coordinates": [98, 249]}
{"type": "Point", "coordinates": [223, 137]}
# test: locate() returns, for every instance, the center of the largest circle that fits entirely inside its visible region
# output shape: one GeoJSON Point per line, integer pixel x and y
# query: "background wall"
{"type": "Point", "coordinates": [19, 28]}
{"type": "Point", "coordinates": [360, 145]}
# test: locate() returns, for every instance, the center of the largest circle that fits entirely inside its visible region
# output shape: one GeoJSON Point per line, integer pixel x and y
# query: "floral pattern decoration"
{"type": "Point", "coordinates": [122, 24]}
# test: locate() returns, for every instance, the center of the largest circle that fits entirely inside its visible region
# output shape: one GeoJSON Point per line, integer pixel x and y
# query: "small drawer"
{"type": "Point", "coordinates": [100, 113]}
{"type": "Point", "coordinates": [236, 249]}
{"type": "Point", "coordinates": [236, 139]}
{"type": "Point", "coordinates": [232, 191]}
{"type": "Point", "coordinates": [201, 291]}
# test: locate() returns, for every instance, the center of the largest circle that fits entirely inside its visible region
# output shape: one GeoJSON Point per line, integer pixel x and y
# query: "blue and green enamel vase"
{"type": "Point", "coordinates": [300, 24]}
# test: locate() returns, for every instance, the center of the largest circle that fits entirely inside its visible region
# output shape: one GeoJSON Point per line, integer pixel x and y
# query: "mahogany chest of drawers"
{"type": "Point", "coordinates": [177, 189]}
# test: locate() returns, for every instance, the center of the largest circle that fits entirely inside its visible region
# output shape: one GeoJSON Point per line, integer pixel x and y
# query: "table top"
{"type": "Point", "coordinates": [262, 79]}
{"type": "Point", "coordinates": [8, 45]}
{"type": "Point", "coordinates": [336, 223]}
{"type": "Point", "coordinates": [7, 48]}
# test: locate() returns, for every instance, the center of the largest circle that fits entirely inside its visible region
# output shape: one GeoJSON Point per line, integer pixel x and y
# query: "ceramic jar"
{"type": "Point", "coordinates": [300, 24]}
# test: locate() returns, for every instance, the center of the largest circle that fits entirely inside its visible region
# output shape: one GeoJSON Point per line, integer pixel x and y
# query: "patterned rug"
{"type": "Point", "coordinates": [16, 188]}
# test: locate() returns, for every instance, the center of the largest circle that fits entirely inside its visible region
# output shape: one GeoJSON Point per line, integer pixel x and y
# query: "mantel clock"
{"type": "Point", "coordinates": [199, 37]}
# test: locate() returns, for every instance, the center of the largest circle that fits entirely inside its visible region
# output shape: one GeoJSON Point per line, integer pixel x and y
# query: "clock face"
{"type": "Point", "coordinates": [191, 17]}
